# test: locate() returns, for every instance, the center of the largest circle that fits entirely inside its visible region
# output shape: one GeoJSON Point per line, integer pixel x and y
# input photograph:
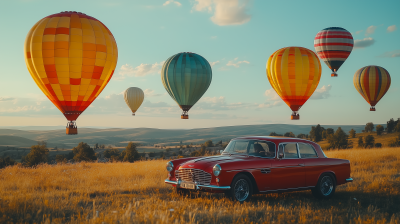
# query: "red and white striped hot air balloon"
{"type": "Point", "coordinates": [333, 45]}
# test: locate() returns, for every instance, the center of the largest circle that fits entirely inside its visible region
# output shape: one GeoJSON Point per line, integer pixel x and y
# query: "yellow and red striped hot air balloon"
{"type": "Point", "coordinates": [294, 73]}
{"type": "Point", "coordinates": [372, 82]}
{"type": "Point", "coordinates": [71, 56]}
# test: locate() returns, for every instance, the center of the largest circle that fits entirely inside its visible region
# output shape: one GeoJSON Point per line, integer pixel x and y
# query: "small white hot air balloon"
{"type": "Point", "coordinates": [134, 98]}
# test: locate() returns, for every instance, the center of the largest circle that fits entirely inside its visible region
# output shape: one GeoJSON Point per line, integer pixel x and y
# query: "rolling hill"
{"type": "Point", "coordinates": [119, 136]}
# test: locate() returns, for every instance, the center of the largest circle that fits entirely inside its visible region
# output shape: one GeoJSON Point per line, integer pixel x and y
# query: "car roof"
{"type": "Point", "coordinates": [273, 138]}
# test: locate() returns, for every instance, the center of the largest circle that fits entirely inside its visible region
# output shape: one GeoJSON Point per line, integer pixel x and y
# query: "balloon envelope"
{"type": "Point", "coordinates": [372, 82]}
{"type": "Point", "coordinates": [186, 76]}
{"type": "Point", "coordinates": [71, 56]}
{"type": "Point", "coordinates": [294, 73]}
{"type": "Point", "coordinates": [133, 98]}
{"type": "Point", "coordinates": [333, 45]}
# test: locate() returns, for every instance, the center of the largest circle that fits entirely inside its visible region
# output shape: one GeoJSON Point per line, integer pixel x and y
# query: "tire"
{"type": "Point", "coordinates": [241, 189]}
{"type": "Point", "coordinates": [326, 187]}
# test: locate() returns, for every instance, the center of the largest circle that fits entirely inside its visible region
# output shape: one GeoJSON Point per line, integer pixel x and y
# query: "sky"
{"type": "Point", "coordinates": [235, 36]}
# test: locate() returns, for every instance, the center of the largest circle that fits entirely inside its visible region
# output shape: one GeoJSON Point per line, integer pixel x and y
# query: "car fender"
{"type": "Point", "coordinates": [251, 177]}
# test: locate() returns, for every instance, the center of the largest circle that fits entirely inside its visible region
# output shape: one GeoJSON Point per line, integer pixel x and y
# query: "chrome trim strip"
{"type": "Point", "coordinates": [286, 189]}
{"type": "Point", "coordinates": [250, 169]}
{"type": "Point", "coordinates": [349, 180]}
{"type": "Point", "coordinates": [213, 187]}
{"type": "Point", "coordinates": [279, 167]}
{"type": "Point", "coordinates": [170, 181]}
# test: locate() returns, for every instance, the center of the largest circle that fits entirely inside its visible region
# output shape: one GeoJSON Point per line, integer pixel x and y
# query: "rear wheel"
{"type": "Point", "coordinates": [325, 187]}
{"type": "Point", "coordinates": [241, 189]}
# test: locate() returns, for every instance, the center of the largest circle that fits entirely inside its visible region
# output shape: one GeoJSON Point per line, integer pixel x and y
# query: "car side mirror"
{"type": "Point", "coordinates": [280, 155]}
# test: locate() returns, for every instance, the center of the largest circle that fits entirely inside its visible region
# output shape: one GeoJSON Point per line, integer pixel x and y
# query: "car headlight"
{"type": "Point", "coordinates": [170, 166]}
{"type": "Point", "coordinates": [216, 170]}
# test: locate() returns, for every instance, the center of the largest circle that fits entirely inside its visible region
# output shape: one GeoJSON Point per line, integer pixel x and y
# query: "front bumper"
{"type": "Point", "coordinates": [199, 186]}
{"type": "Point", "coordinates": [349, 180]}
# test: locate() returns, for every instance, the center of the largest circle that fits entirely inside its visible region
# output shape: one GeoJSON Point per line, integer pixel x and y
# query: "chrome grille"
{"type": "Point", "coordinates": [193, 175]}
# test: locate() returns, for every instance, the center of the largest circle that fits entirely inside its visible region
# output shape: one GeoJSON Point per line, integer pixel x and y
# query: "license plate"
{"type": "Point", "coordinates": [187, 185]}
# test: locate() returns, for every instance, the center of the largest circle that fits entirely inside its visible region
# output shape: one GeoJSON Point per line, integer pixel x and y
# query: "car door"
{"type": "Point", "coordinates": [312, 164]}
{"type": "Point", "coordinates": [288, 172]}
{"type": "Point", "coordinates": [261, 153]}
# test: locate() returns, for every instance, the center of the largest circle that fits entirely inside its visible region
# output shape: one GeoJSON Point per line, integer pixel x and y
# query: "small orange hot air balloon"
{"type": "Point", "coordinates": [372, 82]}
{"type": "Point", "coordinates": [294, 73]}
{"type": "Point", "coordinates": [71, 57]}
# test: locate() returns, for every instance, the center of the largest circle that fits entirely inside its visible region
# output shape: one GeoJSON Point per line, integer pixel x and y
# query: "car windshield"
{"type": "Point", "coordinates": [251, 147]}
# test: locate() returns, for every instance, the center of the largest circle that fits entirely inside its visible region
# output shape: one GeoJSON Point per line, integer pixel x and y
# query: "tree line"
{"type": "Point", "coordinates": [39, 154]}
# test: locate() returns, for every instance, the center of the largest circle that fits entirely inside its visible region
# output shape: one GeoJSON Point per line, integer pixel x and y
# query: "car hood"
{"type": "Point", "coordinates": [207, 163]}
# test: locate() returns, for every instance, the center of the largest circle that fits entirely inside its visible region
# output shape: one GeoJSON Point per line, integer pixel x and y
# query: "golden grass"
{"type": "Point", "coordinates": [131, 193]}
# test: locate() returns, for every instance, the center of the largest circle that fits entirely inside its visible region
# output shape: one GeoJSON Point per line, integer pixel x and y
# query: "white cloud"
{"type": "Point", "coordinates": [140, 71]}
{"type": "Point", "coordinates": [272, 95]}
{"type": "Point", "coordinates": [214, 63]}
{"type": "Point", "coordinates": [158, 104]}
{"type": "Point", "coordinates": [391, 54]}
{"type": "Point", "coordinates": [391, 28]}
{"type": "Point", "coordinates": [226, 12]}
{"type": "Point", "coordinates": [366, 42]}
{"type": "Point", "coordinates": [26, 107]}
{"type": "Point", "coordinates": [172, 1]}
{"type": "Point", "coordinates": [151, 93]}
{"type": "Point", "coordinates": [236, 63]}
{"type": "Point", "coordinates": [321, 93]}
{"type": "Point", "coordinates": [370, 30]}
{"type": "Point", "coordinates": [2, 99]}
{"type": "Point", "coordinates": [268, 105]}
{"type": "Point", "coordinates": [219, 103]}
{"type": "Point", "coordinates": [358, 32]}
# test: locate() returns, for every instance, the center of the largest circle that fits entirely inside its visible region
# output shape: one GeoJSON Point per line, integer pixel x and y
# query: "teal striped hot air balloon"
{"type": "Point", "coordinates": [186, 77]}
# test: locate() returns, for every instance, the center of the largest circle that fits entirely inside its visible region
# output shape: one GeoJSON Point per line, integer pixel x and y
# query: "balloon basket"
{"type": "Point", "coordinates": [133, 114]}
{"type": "Point", "coordinates": [295, 117]}
{"type": "Point", "coordinates": [72, 131]}
{"type": "Point", "coordinates": [372, 109]}
{"type": "Point", "coordinates": [184, 116]}
{"type": "Point", "coordinates": [333, 75]}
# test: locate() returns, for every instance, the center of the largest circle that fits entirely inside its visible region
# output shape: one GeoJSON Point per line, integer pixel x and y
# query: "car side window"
{"type": "Point", "coordinates": [262, 149]}
{"type": "Point", "coordinates": [307, 151]}
{"type": "Point", "coordinates": [290, 151]}
{"type": "Point", "coordinates": [240, 147]}
{"type": "Point", "coordinates": [229, 147]}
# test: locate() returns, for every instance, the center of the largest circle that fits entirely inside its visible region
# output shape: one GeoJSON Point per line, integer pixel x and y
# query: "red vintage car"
{"type": "Point", "coordinates": [259, 164]}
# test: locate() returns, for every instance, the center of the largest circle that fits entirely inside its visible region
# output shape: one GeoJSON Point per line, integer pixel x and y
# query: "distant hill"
{"type": "Point", "coordinates": [15, 141]}
{"type": "Point", "coordinates": [119, 136]}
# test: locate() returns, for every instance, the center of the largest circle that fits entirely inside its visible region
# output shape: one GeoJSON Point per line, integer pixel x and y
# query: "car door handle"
{"type": "Point", "coordinates": [301, 164]}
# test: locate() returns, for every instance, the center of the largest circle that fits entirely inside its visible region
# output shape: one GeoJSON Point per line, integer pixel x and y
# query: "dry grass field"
{"type": "Point", "coordinates": [132, 193]}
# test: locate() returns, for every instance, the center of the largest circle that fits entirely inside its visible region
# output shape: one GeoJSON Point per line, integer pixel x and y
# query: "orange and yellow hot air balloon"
{"type": "Point", "coordinates": [294, 73]}
{"type": "Point", "coordinates": [372, 82]}
{"type": "Point", "coordinates": [71, 56]}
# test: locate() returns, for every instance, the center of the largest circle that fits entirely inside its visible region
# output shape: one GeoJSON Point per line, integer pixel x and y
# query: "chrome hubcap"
{"type": "Point", "coordinates": [242, 190]}
{"type": "Point", "coordinates": [326, 185]}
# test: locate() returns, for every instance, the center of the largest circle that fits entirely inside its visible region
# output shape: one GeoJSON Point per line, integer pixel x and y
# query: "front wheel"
{"type": "Point", "coordinates": [241, 189]}
{"type": "Point", "coordinates": [325, 187]}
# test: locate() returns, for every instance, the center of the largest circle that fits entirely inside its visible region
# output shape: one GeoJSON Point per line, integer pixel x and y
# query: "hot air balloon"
{"type": "Point", "coordinates": [186, 77]}
{"type": "Point", "coordinates": [333, 45]}
{"type": "Point", "coordinates": [294, 73]}
{"type": "Point", "coordinates": [133, 98]}
{"type": "Point", "coordinates": [372, 82]}
{"type": "Point", "coordinates": [71, 56]}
